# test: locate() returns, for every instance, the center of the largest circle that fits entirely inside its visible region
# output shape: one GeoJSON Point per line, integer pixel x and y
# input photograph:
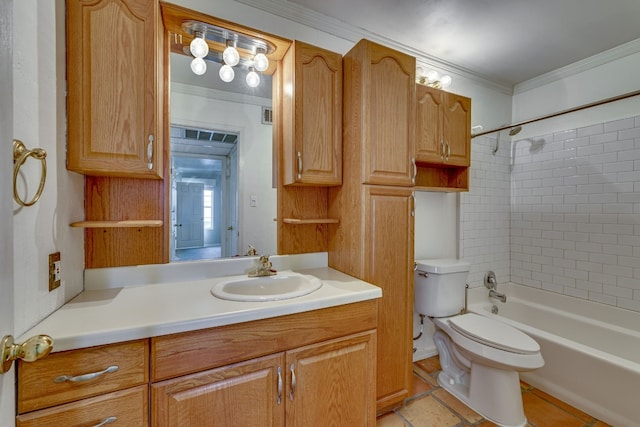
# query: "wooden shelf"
{"type": "Point", "coordinates": [117, 224]}
{"type": "Point", "coordinates": [440, 189]}
{"type": "Point", "coordinates": [311, 221]}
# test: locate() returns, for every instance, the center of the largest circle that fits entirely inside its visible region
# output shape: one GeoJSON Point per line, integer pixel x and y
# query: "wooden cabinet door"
{"type": "Point", "coordinates": [429, 142]}
{"type": "Point", "coordinates": [113, 83]}
{"type": "Point", "coordinates": [389, 105]}
{"type": "Point", "coordinates": [312, 116]}
{"type": "Point", "coordinates": [456, 129]}
{"type": "Point", "coordinates": [389, 222]}
{"type": "Point", "coordinates": [244, 394]}
{"type": "Point", "coordinates": [332, 383]}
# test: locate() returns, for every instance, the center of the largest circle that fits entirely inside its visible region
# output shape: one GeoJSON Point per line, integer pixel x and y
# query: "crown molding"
{"type": "Point", "coordinates": [302, 15]}
{"type": "Point", "coordinates": [578, 67]}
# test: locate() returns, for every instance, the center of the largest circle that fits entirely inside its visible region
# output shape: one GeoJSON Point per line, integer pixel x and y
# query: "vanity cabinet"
{"type": "Point", "coordinates": [311, 116]}
{"type": "Point", "coordinates": [316, 366]}
{"type": "Point", "coordinates": [114, 81]}
{"type": "Point", "coordinates": [443, 139]}
{"type": "Point", "coordinates": [288, 370]}
{"type": "Point", "coordinates": [374, 239]}
{"type": "Point", "coordinates": [86, 386]}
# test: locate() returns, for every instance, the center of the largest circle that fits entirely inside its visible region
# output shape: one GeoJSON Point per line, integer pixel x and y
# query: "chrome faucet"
{"type": "Point", "coordinates": [263, 268]}
{"type": "Point", "coordinates": [491, 283]}
{"type": "Point", "coordinates": [497, 295]}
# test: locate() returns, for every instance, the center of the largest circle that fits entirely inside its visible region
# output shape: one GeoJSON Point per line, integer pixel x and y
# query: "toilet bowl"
{"type": "Point", "coordinates": [480, 357]}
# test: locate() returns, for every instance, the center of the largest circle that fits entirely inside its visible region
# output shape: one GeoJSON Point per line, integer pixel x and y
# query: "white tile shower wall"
{"type": "Point", "coordinates": [485, 212]}
{"type": "Point", "coordinates": [575, 219]}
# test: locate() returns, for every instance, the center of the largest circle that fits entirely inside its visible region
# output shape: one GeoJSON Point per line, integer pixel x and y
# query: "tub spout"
{"type": "Point", "coordinates": [497, 295]}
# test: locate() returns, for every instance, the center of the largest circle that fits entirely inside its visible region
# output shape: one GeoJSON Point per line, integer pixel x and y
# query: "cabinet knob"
{"type": "Point", "coordinates": [34, 348]}
{"type": "Point", "coordinates": [299, 165]}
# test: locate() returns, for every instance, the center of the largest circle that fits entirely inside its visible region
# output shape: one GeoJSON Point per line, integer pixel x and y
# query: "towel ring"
{"type": "Point", "coordinates": [20, 155]}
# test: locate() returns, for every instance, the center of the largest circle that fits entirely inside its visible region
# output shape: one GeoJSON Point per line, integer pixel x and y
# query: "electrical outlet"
{"type": "Point", "coordinates": [54, 271]}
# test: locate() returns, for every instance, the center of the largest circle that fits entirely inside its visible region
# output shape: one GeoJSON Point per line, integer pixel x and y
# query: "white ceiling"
{"type": "Point", "coordinates": [506, 41]}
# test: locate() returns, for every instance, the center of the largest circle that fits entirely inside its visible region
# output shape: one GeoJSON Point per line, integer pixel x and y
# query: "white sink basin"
{"type": "Point", "coordinates": [269, 288]}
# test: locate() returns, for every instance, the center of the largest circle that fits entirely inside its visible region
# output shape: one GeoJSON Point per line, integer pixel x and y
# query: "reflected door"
{"type": "Point", "coordinates": [190, 210]}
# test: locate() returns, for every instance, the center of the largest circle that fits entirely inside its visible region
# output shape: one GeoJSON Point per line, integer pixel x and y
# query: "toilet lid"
{"type": "Point", "coordinates": [494, 333]}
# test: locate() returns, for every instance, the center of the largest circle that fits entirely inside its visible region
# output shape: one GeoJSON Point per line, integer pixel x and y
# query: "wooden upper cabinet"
{"type": "Point", "coordinates": [456, 129]}
{"type": "Point", "coordinates": [114, 80]}
{"type": "Point", "coordinates": [381, 112]}
{"type": "Point", "coordinates": [312, 116]}
{"type": "Point", "coordinates": [443, 127]}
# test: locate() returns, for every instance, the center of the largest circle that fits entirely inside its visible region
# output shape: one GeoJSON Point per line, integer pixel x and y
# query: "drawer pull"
{"type": "Point", "coordinates": [107, 421]}
{"type": "Point", "coordinates": [85, 377]}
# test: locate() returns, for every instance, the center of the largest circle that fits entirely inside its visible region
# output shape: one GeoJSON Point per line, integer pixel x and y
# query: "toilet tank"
{"type": "Point", "coordinates": [439, 286]}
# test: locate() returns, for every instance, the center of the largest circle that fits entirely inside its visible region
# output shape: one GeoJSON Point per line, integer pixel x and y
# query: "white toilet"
{"type": "Point", "coordinates": [480, 356]}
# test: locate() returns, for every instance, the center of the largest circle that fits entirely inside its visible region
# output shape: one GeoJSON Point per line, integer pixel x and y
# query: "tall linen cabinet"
{"type": "Point", "coordinates": [374, 239]}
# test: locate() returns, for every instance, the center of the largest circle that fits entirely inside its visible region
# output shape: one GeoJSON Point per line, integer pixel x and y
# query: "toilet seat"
{"type": "Point", "coordinates": [493, 333]}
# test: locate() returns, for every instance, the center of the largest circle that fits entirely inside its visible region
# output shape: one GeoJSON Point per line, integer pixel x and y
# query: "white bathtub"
{"type": "Point", "coordinates": [591, 350]}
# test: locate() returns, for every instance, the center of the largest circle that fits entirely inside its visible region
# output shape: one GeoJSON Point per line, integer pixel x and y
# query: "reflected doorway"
{"type": "Point", "coordinates": [204, 211]}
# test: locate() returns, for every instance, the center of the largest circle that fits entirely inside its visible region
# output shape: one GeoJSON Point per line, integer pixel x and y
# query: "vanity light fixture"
{"type": "Point", "coordinates": [230, 55]}
{"type": "Point", "coordinates": [198, 46]}
{"type": "Point", "coordinates": [432, 79]}
{"type": "Point", "coordinates": [198, 66]}
{"type": "Point", "coordinates": [240, 50]}
{"type": "Point", "coordinates": [226, 73]}
{"type": "Point", "coordinates": [253, 79]}
{"type": "Point", "coordinates": [260, 61]}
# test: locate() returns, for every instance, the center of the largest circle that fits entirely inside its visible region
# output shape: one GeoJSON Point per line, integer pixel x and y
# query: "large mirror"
{"type": "Point", "coordinates": [222, 195]}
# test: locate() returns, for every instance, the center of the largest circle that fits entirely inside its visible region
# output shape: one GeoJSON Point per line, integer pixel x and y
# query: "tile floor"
{"type": "Point", "coordinates": [431, 406]}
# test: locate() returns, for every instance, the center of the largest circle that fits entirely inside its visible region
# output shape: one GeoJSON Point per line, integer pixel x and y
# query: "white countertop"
{"type": "Point", "coordinates": [104, 316]}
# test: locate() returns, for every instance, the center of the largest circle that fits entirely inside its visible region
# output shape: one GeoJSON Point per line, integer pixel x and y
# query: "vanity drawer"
{"type": "Point", "coordinates": [39, 384]}
{"type": "Point", "coordinates": [129, 408]}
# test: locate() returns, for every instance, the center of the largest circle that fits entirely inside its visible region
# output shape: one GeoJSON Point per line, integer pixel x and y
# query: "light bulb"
{"type": "Point", "coordinates": [226, 73]}
{"type": "Point", "coordinates": [198, 66]}
{"type": "Point", "coordinates": [432, 76]}
{"type": "Point", "coordinates": [260, 62]}
{"type": "Point", "coordinates": [445, 81]}
{"type": "Point", "coordinates": [231, 56]}
{"type": "Point", "coordinates": [198, 47]}
{"type": "Point", "coordinates": [253, 79]}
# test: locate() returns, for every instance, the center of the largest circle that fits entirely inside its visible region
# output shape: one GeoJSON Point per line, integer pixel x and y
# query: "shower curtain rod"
{"type": "Point", "coordinates": [560, 113]}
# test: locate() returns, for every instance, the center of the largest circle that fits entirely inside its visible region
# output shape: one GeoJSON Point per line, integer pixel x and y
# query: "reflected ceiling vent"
{"type": "Point", "coordinates": [207, 135]}
{"type": "Point", "coordinates": [203, 141]}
